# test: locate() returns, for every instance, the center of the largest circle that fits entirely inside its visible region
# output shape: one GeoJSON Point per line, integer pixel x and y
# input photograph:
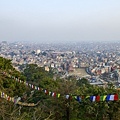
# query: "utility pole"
{"type": "Point", "coordinates": [68, 111]}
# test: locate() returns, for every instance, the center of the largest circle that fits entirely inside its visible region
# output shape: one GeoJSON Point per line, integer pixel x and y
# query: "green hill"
{"type": "Point", "coordinates": [60, 99]}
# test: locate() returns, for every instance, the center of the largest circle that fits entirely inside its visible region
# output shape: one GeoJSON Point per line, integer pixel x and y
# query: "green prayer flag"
{"type": "Point", "coordinates": [58, 95]}
{"type": "Point", "coordinates": [103, 98]}
{"type": "Point", "coordinates": [87, 96]}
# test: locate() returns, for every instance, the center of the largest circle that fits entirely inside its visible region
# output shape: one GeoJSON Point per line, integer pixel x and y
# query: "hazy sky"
{"type": "Point", "coordinates": [59, 20]}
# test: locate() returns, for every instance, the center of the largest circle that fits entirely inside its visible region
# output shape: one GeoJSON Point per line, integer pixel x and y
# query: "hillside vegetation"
{"type": "Point", "coordinates": [57, 99]}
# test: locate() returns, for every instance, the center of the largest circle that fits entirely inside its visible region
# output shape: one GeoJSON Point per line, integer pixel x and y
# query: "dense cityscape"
{"type": "Point", "coordinates": [59, 60]}
{"type": "Point", "coordinates": [98, 62]}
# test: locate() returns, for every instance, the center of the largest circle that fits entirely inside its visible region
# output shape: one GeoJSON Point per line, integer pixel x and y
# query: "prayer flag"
{"type": "Point", "coordinates": [67, 96]}
{"type": "Point", "coordinates": [78, 98]}
{"type": "Point", "coordinates": [2, 95]}
{"type": "Point", "coordinates": [116, 97]}
{"type": "Point", "coordinates": [35, 87]}
{"type": "Point", "coordinates": [50, 93]}
{"type": "Point", "coordinates": [103, 98]}
{"type": "Point", "coordinates": [92, 98]}
{"type": "Point", "coordinates": [8, 98]}
{"type": "Point", "coordinates": [38, 88]}
{"type": "Point", "coordinates": [58, 95]}
{"type": "Point", "coordinates": [46, 91]}
{"type": "Point", "coordinates": [86, 96]}
{"type": "Point", "coordinates": [97, 98]}
{"type": "Point", "coordinates": [54, 94]}
{"type": "Point", "coordinates": [32, 86]}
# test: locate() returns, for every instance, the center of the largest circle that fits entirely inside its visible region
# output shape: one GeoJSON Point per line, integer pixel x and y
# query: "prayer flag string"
{"type": "Point", "coordinates": [92, 98]}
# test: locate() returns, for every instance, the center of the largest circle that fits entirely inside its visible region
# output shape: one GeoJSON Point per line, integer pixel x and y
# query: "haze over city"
{"type": "Point", "coordinates": [59, 60]}
{"type": "Point", "coordinates": [50, 21]}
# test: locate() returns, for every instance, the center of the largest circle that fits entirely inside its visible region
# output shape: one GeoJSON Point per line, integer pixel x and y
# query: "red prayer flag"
{"type": "Point", "coordinates": [116, 97]}
{"type": "Point", "coordinates": [97, 98]}
{"type": "Point", "coordinates": [8, 98]}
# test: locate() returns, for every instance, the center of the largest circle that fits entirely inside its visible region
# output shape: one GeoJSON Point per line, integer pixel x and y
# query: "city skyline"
{"type": "Point", "coordinates": [59, 21]}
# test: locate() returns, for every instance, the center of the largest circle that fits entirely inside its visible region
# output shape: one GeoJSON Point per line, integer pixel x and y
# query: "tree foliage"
{"type": "Point", "coordinates": [49, 107]}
